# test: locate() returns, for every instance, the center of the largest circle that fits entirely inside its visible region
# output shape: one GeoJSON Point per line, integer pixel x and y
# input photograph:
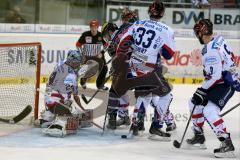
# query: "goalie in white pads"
{"type": "Point", "coordinates": [60, 117]}
{"type": "Point", "coordinates": [215, 92]}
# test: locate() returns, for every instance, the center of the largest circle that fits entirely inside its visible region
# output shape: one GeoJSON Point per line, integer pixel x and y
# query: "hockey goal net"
{"type": "Point", "coordinates": [20, 65]}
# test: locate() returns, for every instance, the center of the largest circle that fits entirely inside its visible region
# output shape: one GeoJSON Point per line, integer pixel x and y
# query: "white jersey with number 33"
{"type": "Point", "coordinates": [151, 40]}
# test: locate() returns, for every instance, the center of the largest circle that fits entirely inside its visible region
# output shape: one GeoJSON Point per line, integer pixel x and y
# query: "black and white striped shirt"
{"type": "Point", "coordinates": [92, 45]}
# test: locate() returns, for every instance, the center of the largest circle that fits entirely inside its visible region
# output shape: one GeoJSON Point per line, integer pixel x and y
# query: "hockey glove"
{"type": "Point", "coordinates": [200, 97]}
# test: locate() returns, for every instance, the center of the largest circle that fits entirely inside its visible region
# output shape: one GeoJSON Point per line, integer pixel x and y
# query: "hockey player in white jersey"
{"type": "Point", "coordinates": [61, 86]}
{"type": "Point", "coordinates": [214, 93]}
{"type": "Point", "coordinates": [147, 41]}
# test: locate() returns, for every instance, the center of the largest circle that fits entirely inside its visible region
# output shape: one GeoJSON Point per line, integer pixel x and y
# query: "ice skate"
{"type": "Point", "coordinates": [198, 140]}
{"type": "Point", "coordinates": [171, 127]}
{"type": "Point", "coordinates": [137, 128]}
{"type": "Point", "coordinates": [158, 134]}
{"type": "Point", "coordinates": [134, 129]}
{"type": "Point", "coordinates": [226, 149]}
{"type": "Point", "coordinates": [123, 121]}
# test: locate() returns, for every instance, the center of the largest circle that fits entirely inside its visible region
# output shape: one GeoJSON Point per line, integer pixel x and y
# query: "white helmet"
{"type": "Point", "coordinates": [75, 56]}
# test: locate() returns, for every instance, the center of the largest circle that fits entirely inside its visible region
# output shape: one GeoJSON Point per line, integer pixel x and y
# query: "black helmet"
{"type": "Point", "coordinates": [106, 28]}
{"type": "Point", "coordinates": [156, 9]}
{"type": "Point", "coordinates": [203, 26]}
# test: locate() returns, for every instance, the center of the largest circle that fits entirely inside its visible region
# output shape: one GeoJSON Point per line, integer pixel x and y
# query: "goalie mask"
{"type": "Point", "coordinates": [75, 57]}
{"type": "Point", "coordinates": [107, 30]}
{"type": "Point", "coordinates": [156, 10]}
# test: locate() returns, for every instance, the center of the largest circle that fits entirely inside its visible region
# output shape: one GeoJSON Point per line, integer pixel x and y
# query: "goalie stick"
{"type": "Point", "coordinates": [25, 112]}
{"type": "Point", "coordinates": [84, 98]}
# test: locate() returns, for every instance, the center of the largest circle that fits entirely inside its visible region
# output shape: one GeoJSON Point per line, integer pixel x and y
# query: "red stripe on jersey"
{"type": "Point", "coordinates": [124, 45]}
{"type": "Point", "coordinates": [51, 105]}
{"type": "Point", "coordinates": [197, 115]}
{"type": "Point", "coordinates": [169, 50]}
{"type": "Point", "coordinates": [216, 82]}
{"type": "Point", "coordinates": [151, 65]}
{"type": "Point", "coordinates": [78, 44]}
{"type": "Point", "coordinates": [124, 105]}
{"type": "Point", "coordinates": [57, 95]}
{"type": "Point", "coordinates": [218, 122]}
{"type": "Point", "coordinates": [135, 110]}
{"type": "Point", "coordinates": [139, 73]}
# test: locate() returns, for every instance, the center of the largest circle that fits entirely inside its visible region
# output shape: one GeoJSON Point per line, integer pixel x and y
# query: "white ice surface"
{"type": "Point", "coordinates": [88, 144]}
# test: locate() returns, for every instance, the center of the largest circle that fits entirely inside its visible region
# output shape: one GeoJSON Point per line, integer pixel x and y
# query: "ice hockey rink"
{"type": "Point", "coordinates": [30, 144]}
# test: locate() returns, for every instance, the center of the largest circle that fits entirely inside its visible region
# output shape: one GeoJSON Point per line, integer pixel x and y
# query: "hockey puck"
{"type": "Point", "coordinates": [124, 136]}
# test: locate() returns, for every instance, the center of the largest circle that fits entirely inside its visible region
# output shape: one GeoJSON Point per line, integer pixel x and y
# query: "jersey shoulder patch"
{"type": "Point", "coordinates": [217, 42]}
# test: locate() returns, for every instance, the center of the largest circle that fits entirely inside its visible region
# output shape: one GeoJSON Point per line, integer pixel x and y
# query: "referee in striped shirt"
{"type": "Point", "coordinates": [91, 43]}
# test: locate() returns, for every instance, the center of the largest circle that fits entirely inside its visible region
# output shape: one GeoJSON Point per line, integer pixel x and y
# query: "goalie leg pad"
{"type": "Point", "coordinates": [62, 126]}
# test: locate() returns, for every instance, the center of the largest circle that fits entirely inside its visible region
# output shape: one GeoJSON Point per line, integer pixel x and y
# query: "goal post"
{"type": "Point", "coordinates": [20, 69]}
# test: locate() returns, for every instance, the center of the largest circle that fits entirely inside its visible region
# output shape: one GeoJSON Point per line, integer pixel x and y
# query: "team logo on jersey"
{"type": "Point", "coordinates": [99, 38]}
{"type": "Point", "coordinates": [211, 60]}
{"type": "Point", "coordinates": [88, 39]}
{"type": "Point", "coordinates": [221, 102]}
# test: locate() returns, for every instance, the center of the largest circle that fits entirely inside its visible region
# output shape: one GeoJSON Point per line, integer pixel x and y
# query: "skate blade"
{"type": "Point", "coordinates": [159, 138]}
{"type": "Point", "coordinates": [229, 154]}
{"type": "Point", "coordinates": [196, 146]}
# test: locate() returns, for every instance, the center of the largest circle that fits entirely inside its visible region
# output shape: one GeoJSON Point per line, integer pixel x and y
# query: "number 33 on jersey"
{"type": "Point", "coordinates": [150, 39]}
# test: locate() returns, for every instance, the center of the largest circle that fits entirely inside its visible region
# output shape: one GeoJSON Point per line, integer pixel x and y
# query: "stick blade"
{"type": "Point", "coordinates": [176, 144]}
{"type": "Point", "coordinates": [84, 99]}
{"type": "Point", "coordinates": [25, 112]}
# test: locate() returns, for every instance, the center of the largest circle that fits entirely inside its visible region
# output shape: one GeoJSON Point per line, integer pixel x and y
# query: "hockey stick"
{"type": "Point", "coordinates": [175, 142]}
{"type": "Point", "coordinates": [104, 123]}
{"type": "Point", "coordinates": [88, 101]}
{"type": "Point", "coordinates": [226, 112]}
{"type": "Point", "coordinates": [25, 112]}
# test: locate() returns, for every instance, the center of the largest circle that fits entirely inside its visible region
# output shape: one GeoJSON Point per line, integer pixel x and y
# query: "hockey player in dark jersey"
{"type": "Point", "coordinates": [108, 30]}
{"type": "Point", "coordinates": [214, 93]}
{"type": "Point", "coordinates": [112, 34]}
{"type": "Point", "coordinates": [91, 43]}
{"type": "Point", "coordinates": [142, 47]}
